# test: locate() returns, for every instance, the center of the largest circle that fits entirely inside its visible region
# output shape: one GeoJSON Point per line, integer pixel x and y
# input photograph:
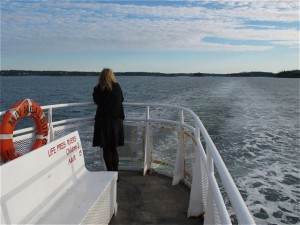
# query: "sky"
{"type": "Point", "coordinates": [223, 36]}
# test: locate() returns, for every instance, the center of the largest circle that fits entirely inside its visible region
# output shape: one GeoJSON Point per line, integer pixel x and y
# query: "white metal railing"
{"type": "Point", "coordinates": [208, 157]}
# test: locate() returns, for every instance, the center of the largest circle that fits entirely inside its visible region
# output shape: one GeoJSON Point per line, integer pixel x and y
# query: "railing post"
{"type": "Point", "coordinates": [179, 163]}
{"type": "Point", "coordinates": [147, 149]}
{"type": "Point", "coordinates": [210, 163]}
{"type": "Point", "coordinates": [50, 132]}
{"type": "Point", "coordinates": [210, 205]}
{"type": "Point", "coordinates": [181, 117]}
{"type": "Point", "coordinates": [196, 205]}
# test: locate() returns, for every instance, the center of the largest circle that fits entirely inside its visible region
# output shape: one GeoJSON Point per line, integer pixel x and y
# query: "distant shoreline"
{"type": "Point", "coordinates": [283, 74]}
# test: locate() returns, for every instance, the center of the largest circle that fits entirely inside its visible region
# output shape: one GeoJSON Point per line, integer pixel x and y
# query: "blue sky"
{"type": "Point", "coordinates": [155, 36]}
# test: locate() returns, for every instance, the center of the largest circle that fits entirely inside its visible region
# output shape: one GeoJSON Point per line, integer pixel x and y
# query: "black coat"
{"type": "Point", "coordinates": [108, 129]}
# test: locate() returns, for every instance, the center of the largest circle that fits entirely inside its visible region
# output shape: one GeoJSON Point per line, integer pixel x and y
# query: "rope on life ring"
{"type": "Point", "coordinates": [21, 109]}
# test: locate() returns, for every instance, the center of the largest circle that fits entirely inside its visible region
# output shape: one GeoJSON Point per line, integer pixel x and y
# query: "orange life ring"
{"type": "Point", "coordinates": [19, 110]}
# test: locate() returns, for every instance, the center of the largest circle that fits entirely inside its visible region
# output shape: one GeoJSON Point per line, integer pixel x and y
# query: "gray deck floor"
{"type": "Point", "coordinates": [151, 199]}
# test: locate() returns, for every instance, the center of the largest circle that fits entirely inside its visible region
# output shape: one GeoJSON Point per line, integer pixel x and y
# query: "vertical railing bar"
{"type": "Point", "coordinates": [147, 139]}
{"type": "Point", "coordinates": [50, 121]}
{"type": "Point", "coordinates": [182, 144]}
{"type": "Point", "coordinates": [179, 165]}
{"type": "Point", "coordinates": [181, 117]}
{"type": "Point", "coordinates": [196, 204]}
{"type": "Point", "coordinates": [210, 212]}
{"type": "Point", "coordinates": [210, 163]}
{"type": "Point", "coordinates": [147, 113]}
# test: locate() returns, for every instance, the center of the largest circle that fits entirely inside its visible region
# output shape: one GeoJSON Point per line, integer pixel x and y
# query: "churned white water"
{"type": "Point", "coordinates": [254, 123]}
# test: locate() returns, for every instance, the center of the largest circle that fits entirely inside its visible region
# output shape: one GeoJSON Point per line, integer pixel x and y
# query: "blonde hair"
{"type": "Point", "coordinates": [106, 79]}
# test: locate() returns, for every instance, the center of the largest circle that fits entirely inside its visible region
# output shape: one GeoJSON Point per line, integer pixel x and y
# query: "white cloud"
{"type": "Point", "coordinates": [55, 26]}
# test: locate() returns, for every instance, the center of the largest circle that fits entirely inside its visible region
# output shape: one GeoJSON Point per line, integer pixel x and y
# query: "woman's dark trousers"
{"type": "Point", "coordinates": [111, 158]}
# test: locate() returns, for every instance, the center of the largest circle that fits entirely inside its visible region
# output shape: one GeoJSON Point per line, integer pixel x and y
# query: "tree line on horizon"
{"type": "Point", "coordinates": [282, 74]}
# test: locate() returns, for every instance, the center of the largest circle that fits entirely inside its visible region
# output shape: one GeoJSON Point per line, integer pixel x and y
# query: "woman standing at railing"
{"type": "Point", "coordinates": [108, 129]}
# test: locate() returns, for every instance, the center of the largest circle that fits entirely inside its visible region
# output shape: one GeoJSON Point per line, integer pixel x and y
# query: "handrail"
{"type": "Point", "coordinates": [234, 195]}
{"type": "Point", "coordinates": [242, 212]}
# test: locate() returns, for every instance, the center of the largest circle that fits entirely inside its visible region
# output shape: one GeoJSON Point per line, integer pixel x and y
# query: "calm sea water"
{"type": "Point", "coordinates": [254, 123]}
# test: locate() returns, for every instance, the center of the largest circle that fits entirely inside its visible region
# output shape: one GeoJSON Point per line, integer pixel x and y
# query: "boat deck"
{"type": "Point", "coordinates": [151, 199]}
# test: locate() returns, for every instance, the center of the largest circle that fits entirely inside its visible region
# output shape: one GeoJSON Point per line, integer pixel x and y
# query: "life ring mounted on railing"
{"type": "Point", "coordinates": [22, 109]}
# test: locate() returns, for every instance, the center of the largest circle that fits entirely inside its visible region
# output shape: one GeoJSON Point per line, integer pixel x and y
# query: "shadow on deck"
{"type": "Point", "coordinates": [151, 199]}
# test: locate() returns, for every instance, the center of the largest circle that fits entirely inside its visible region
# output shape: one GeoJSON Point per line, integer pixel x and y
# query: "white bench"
{"type": "Point", "coordinates": [52, 186]}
